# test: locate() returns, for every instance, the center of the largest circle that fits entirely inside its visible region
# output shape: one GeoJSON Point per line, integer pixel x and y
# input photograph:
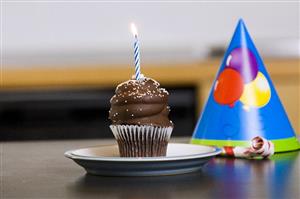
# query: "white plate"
{"type": "Point", "coordinates": [180, 158]}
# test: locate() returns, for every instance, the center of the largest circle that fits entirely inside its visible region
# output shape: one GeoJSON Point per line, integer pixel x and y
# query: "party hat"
{"type": "Point", "coordinates": [243, 103]}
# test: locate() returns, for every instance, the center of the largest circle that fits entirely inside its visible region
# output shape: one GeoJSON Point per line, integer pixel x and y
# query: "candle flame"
{"type": "Point", "coordinates": [134, 29]}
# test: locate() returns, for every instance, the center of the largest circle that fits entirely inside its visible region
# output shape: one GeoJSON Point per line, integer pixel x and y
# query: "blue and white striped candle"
{"type": "Point", "coordinates": [136, 53]}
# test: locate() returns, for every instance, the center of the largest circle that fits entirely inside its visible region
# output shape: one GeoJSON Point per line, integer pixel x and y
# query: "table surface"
{"type": "Point", "coordinates": [38, 169]}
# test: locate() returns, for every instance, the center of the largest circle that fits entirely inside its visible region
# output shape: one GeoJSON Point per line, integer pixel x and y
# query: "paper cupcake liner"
{"type": "Point", "coordinates": [142, 141]}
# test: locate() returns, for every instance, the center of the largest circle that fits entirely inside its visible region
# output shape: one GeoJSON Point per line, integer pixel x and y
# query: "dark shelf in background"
{"type": "Point", "coordinates": [77, 114]}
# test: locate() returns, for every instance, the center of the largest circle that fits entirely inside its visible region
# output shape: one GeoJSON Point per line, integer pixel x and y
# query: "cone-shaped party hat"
{"type": "Point", "coordinates": [243, 102]}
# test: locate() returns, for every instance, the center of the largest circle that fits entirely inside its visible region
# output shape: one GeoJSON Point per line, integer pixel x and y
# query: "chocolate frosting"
{"type": "Point", "coordinates": [140, 102]}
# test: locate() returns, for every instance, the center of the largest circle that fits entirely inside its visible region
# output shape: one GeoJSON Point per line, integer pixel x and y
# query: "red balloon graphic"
{"type": "Point", "coordinates": [229, 87]}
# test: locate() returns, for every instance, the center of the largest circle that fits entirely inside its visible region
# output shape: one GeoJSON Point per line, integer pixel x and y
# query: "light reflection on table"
{"type": "Point", "coordinates": [39, 170]}
{"type": "Point", "coordinates": [221, 178]}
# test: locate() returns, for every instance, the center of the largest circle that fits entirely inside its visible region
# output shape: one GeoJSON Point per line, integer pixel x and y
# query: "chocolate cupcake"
{"type": "Point", "coordinates": [139, 114]}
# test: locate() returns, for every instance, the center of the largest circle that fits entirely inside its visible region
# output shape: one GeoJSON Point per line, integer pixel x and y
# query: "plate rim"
{"type": "Point", "coordinates": [216, 151]}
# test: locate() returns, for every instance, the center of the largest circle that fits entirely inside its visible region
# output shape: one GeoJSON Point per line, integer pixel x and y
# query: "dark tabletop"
{"type": "Point", "coordinates": [38, 169]}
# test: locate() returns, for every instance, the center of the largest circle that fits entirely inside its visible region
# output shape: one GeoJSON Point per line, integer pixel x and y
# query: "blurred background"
{"type": "Point", "coordinates": [61, 61]}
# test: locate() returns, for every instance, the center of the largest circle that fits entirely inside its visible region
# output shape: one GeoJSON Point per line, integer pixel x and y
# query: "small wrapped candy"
{"type": "Point", "coordinates": [260, 147]}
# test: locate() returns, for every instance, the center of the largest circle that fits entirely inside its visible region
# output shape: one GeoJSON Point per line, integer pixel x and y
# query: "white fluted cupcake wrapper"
{"type": "Point", "coordinates": [141, 141]}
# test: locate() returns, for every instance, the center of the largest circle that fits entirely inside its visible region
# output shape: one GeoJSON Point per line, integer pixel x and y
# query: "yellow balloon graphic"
{"type": "Point", "coordinates": [256, 93]}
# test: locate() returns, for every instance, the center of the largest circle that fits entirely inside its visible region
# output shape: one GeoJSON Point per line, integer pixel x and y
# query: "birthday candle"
{"type": "Point", "coordinates": [136, 53]}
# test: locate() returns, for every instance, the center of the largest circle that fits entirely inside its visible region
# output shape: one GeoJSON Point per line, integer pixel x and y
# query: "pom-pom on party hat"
{"type": "Point", "coordinates": [243, 102]}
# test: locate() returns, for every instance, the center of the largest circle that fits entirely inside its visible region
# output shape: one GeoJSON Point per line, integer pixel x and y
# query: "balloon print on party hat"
{"type": "Point", "coordinates": [243, 103]}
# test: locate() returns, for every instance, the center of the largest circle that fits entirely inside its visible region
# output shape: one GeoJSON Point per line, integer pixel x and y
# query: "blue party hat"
{"type": "Point", "coordinates": [243, 102]}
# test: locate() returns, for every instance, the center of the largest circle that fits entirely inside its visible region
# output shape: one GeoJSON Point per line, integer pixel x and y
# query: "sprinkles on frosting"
{"type": "Point", "coordinates": [132, 93]}
{"type": "Point", "coordinates": [137, 90]}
